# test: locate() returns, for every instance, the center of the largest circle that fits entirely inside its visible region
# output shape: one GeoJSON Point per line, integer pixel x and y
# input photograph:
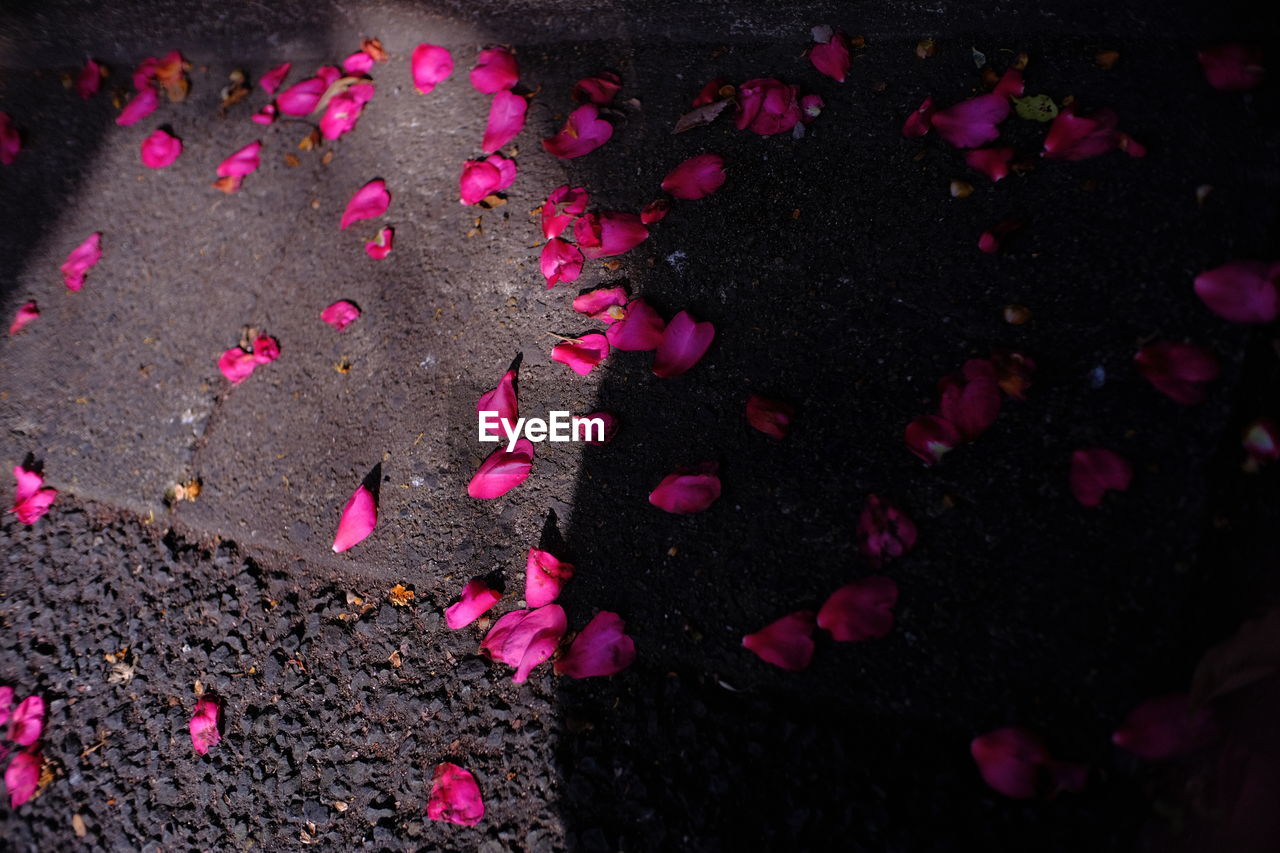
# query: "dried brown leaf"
{"type": "Point", "coordinates": [373, 47]}
{"type": "Point", "coordinates": [700, 116]}
{"type": "Point", "coordinates": [400, 596]}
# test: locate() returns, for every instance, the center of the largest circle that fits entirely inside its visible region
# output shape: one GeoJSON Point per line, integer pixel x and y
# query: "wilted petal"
{"type": "Point", "coordinates": [971, 123]}
{"type": "Point", "coordinates": [884, 531]}
{"type": "Point", "coordinates": [1262, 441]}
{"type": "Point", "coordinates": [767, 106]}
{"type": "Point", "coordinates": [1074, 137]}
{"type": "Point", "coordinates": [601, 235]}
{"type": "Point", "coordinates": [771, 417]}
{"type": "Point", "coordinates": [1165, 727]}
{"type": "Point", "coordinates": [369, 202]}
{"type": "Point", "coordinates": [1233, 67]}
{"type": "Point", "coordinates": [340, 314]}
{"type": "Point", "coordinates": [236, 365]}
{"type": "Point", "coordinates": [206, 722]}
{"type": "Point", "coordinates": [560, 208]}
{"type": "Point", "coordinates": [655, 211]}
{"type": "Point", "coordinates": [242, 162]}
{"type": "Point", "coordinates": [481, 178]}
{"type": "Point", "coordinates": [602, 648]}
{"type": "Point", "coordinates": [1011, 761]}
{"type": "Point", "coordinates": [502, 471]}
{"type": "Point", "coordinates": [10, 141]}
{"type": "Point", "coordinates": [931, 437]}
{"type": "Point", "coordinates": [496, 69]}
{"type": "Point", "coordinates": [599, 90]}
{"type": "Point", "coordinates": [992, 162]}
{"type": "Point", "coordinates": [81, 259]}
{"type": "Point", "coordinates": [583, 353]}
{"type": "Point", "coordinates": [503, 400]}
{"type": "Point", "coordinates": [832, 58]}
{"type": "Point", "coordinates": [544, 575]}
{"type": "Point", "coordinates": [861, 610]}
{"type": "Point", "coordinates": [603, 303]}
{"type": "Point", "coordinates": [920, 122]}
{"type": "Point", "coordinates": [380, 246]}
{"type": "Point", "coordinates": [359, 517]}
{"type": "Point", "coordinates": [22, 776]}
{"type": "Point", "coordinates": [525, 638]}
{"type": "Point", "coordinates": [302, 97]}
{"type": "Point", "coordinates": [145, 73]}
{"type": "Point", "coordinates": [811, 107]}
{"type": "Point", "coordinates": [696, 177]}
{"type": "Point", "coordinates": [271, 81]}
{"type": "Point", "coordinates": [27, 721]}
{"type": "Point", "coordinates": [684, 343]}
{"type": "Point", "coordinates": [266, 349]}
{"type": "Point", "coordinates": [787, 643]}
{"type": "Point", "coordinates": [1179, 371]}
{"type": "Point", "coordinates": [640, 328]}
{"type": "Point", "coordinates": [330, 74]}
{"type": "Point", "coordinates": [506, 119]}
{"type": "Point", "coordinates": [89, 80]}
{"type": "Point", "coordinates": [344, 109]}
{"type": "Point", "coordinates": [583, 132]}
{"type": "Point", "coordinates": [1241, 291]}
{"type": "Point", "coordinates": [560, 261]}
{"type": "Point", "coordinates": [431, 64]}
{"type": "Point", "coordinates": [160, 149]}
{"type": "Point", "coordinates": [687, 490]}
{"type": "Point", "coordinates": [476, 599]}
{"type": "Point", "coordinates": [971, 405]}
{"type": "Point", "coordinates": [455, 796]}
{"type": "Point", "coordinates": [27, 313]}
{"type": "Point", "coordinates": [139, 107]}
{"type": "Point", "coordinates": [1095, 471]}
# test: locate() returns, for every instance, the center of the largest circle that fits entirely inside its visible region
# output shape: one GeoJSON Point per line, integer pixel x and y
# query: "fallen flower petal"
{"type": "Point", "coordinates": [861, 610]}
{"type": "Point", "coordinates": [610, 427]}
{"type": "Point", "coordinates": [601, 648]}
{"type": "Point", "coordinates": [495, 69]}
{"type": "Point", "coordinates": [1011, 761]}
{"type": "Point", "coordinates": [582, 354]}
{"type": "Point", "coordinates": [455, 796]}
{"type": "Point", "coordinates": [242, 162]}
{"type": "Point", "coordinates": [544, 575]}
{"type": "Point", "coordinates": [145, 73]}
{"type": "Point", "coordinates": [832, 58]}
{"type": "Point", "coordinates": [502, 471]}
{"type": "Point", "coordinates": [687, 490]}
{"type": "Point", "coordinates": [992, 162]}
{"type": "Point", "coordinates": [525, 638]}
{"type": "Point", "coordinates": [1233, 67]}
{"type": "Point", "coordinates": [358, 63]}
{"type": "Point", "coordinates": [655, 211]}
{"type": "Point", "coordinates": [302, 97]}
{"type": "Point", "coordinates": [140, 106]}
{"type": "Point", "coordinates": [170, 74]}
{"type": "Point", "coordinates": [970, 403]}
{"type": "Point", "coordinates": [884, 531]}
{"type": "Point", "coordinates": [10, 141]}
{"type": "Point", "coordinates": [506, 119]}
{"type": "Point", "coordinates": [767, 106]}
{"type": "Point", "coordinates": [601, 235]}
{"type": "Point", "coordinates": [481, 178]}
{"type": "Point", "coordinates": [264, 116]}
{"type": "Point", "coordinates": [1095, 471]}
{"type": "Point", "coordinates": [160, 149]}
{"type": "Point", "coordinates": [1010, 84]}
{"type": "Point", "coordinates": [236, 365]}
{"type": "Point", "coordinates": [560, 209]}
{"type": "Point", "coordinates": [710, 93]}
{"type": "Point", "coordinates": [931, 437]}
{"type": "Point", "coordinates": [476, 599]}
{"type": "Point", "coordinates": [31, 498]}
{"type": "Point", "coordinates": [988, 242]}
{"type": "Point", "coordinates": [430, 64]}
{"type": "Point", "coordinates": [811, 107]}
{"type": "Point", "coordinates": [599, 89]}
{"type": "Point", "coordinates": [22, 776]}
{"type": "Point", "coordinates": [1072, 137]}
{"type": "Point", "coordinates": [1242, 291]}
{"type": "Point", "coordinates": [920, 122]}
{"type": "Point", "coordinates": [89, 80]}
{"type": "Point", "coordinates": [560, 261]}
{"type": "Point", "coordinates": [271, 81]}
{"type": "Point", "coordinates": [639, 329]}
{"type": "Point", "coordinates": [340, 314]}
{"type": "Point", "coordinates": [697, 177]}
{"type": "Point", "coordinates": [1165, 727]}
{"type": "Point", "coordinates": [26, 314]}
{"type": "Point", "coordinates": [345, 108]}
{"type": "Point", "coordinates": [206, 724]}
{"type": "Point", "coordinates": [81, 259]}
{"type": "Point", "coordinates": [603, 303]}
{"type": "Point", "coordinates": [266, 349]}
{"type": "Point", "coordinates": [380, 246]}
{"type": "Point", "coordinates": [27, 721]}
{"type": "Point", "coordinates": [1179, 371]}
{"type": "Point", "coordinates": [583, 132]}
{"type": "Point", "coordinates": [786, 643]}
{"type": "Point", "coordinates": [368, 202]}
{"type": "Point", "coordinates": [684, 342]}
{"type": "Point", "coordinates": [503, 399]}
{"type": "Point", "coordinates": [771, 417]}
{"type": "Point", "coordinates": [971, 123]}
{"type": "Point", "coordinates": [1262, 441]}
{"type": "Point", "coordinates": [359, 517]}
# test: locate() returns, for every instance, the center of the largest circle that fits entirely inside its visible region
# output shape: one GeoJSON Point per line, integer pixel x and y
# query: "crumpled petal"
{"type": "Point", "coordinates": [599, 89]}
{"type": "Point", "coordinates": [583, 132]}
{"type": "Point", "coordinates": [271, 81]}
{"type": "Point", "coordinates": [1010, 85]}
{"type": "Point", "coordinates": [931, 437]}
{"type": "Point", "coordinates": [544, 575]}
{"type": "Point", "coordinates": [1016, 763]}
{"type": "Point", "coordinates": [601, 648]}
{"type": "Point", "coordinates": [506, 119]}
{"type": "Point", "coordinates": [431, 63]}
{"type": "Point", "coordinates": [687, 490]}
{"type": "Point", "coordinates": [25, 315]}
{"type": "Point", "coordinates": [639, 329]}
{"type": "Point", "coordinates": [10, 141]}
{"type": "Point", "coordinates": [340, 314]}
{"type": "Point", "coordinates": [1242, 291]}
{"type": "Point", "coordinates": [31, 499]}
{"type": "Point", "coordinates": [1095, 471]}
{"type": "Point", "coordinates": [502, 399]}
{"type": "Point", "coordinates": [771, 417]}
{"type": "Point", "coordinates": [1165, 727]}
{"type": "Point", "coordinates": [380, 246]}
{"type": "Point", "coordinates": [560, 209]}
{"type": "Point", "coordinates": [1233, 67]}
{"type": "Point", "coordinates": [920, 122]}
{"type": "Point", "coordinates": [502, 471]}
{"type": "Point", "coordinates": [243, 162]}
{"type": "Point", "coordinates": [684, 342]}
{"type": "Point", "coordinates": [345, 108]}
{"type": "Point", "coordinates": [481, 178]}
{"type": "Point", "coordinates": [160, 149]}
{"type": "Point", "coordinates": [26, 724]}
{"type": "Point", "coordinates": [884, 531]}
{"type": "Point", "coordinates": [560, 261]}
{"type": "Point", "coordinates": [206, 722]}
{"type": "Point", "coordinates": [697, 177]}
{"type": "Point", "coordinates": [861, 610]}
{"type": "Point", "coordinates": [786, 643]}
{"type": "Point", "coordinates": [80, 260]}
{"type": "Point", "coordinates": [368, 202]}
{"type": "Point", "coordinates": [710, 93]}
{"type": "Point", "coordinates": [476, 599]}
{"type": "Point", "coordinates": [496, 69]}
{"type": "Point", "coordinates": [971, 123]}
{"type": "Point", "coordinates": [1073, 137]}
{"type": "Point", "coordinates": [811, 107]}
{"type": "Point", "coordinates": [236, 365]}
{"type": "Point", "coordinates": [140, 106]}
{"type": "Point", "coordinates": [302, 97]}
{"type": "Point", "coordinates": [145, 73]}
{"type": "Point", "coordinates": [606, 304]}
{"type": "Point", "coordinates": [22, 776]}
{"type": "Point", "coordinates": [89, 80]}
{"type": "Point", "coordinates": [832, 58]}
{"type": "Point", "coordinates": [971, 400]}
{"type": "Point", "coordinates": [582, 354]}
{"type": "Point", "coordinates": [455, 796]}
{"type": "Point", "coordinates": [1262, 441]}
{"type": "Point", "coordinates": [1179, 371]}
{"type": "Point", "coordinates": [601, 235]}
{"type": "Point", "coordinates": [767, 106]}
{"type": "Point", "coordinates": [992, 162]}
{"type": "Point", "coordinates": [359, 517]}
{"type": "Point", "coordinates": [525, 638]}
{"type": "Point", "coordinates": [266, 349]}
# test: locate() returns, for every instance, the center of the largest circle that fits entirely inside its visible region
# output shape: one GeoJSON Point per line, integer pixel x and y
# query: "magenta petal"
{"type": "Point", "coordinates": [582, 354]}
{"type": "Point", "coordinates": [1010, 85]}
{"type": "Point", "coordinates": [1074, 137]}
{"type": "Point", "coordinates": [340, 314]}
{"type": "Point", "coordinates": [242, 162]}
{"type": "Point", "coordinates": [359, 517]}
{"type": "Point", "coordinates": [206, 720]}
{"type": "Point", "coordinates": [610, 427]}
{"type": "Point", "coordinates": [236, 365]}
{"type": "Point", "coordinates": [1010, 761]}
{"type": "Point", "coordinates": [160, 149]}
{"type": "Point", "coordinates": [139, 107]}
{"type": "Point", "coordinates": [584, 131]}
{"type": "Point", "coordinates": [81, 259]}
{"type": "Point", "coordinates": [771, 417]}
{"type": "Point", "coordinates": [687, 491]}
{"type": "Point", "coordinates": [1179, 371]}
{"type": "Point", "coordinates": [931, 437]}
{"type": "Point", "coordinates": [1095, 471]}
{"type": "Point", "coordinates": [971, 123]}
{"type": "Point", "coordinates": [502, 471]}
{"type": "Point", "coordinates": [599, 90]}
{"type": "Point", "coordinates": [380, 246]}
{"type": "Point", "coordinates": [370, 201]}
{"type": "Point", "coordinates": [640, 329]}
{"type": "Point", "coordinates": [992, 162]}
{"type": "Point", "coordinates": [24, 316]}
{"type": "Point", "coordinates": [271, 81]}
{"type": "Point", "coordinates": [544, 575]}
{"type": "Point", "coordinates": [431, 64]}
{"type": "Point", "coordinates": [344, 110]}
{"type": "Point", "coordinates": [455, 796]}
{"type": "Point", "coordinates": [502, 400]}
{"type": "Point", "coordinates": [506, 119]}
{"type": "Point", "coordinates": [89, 80]}
{"type": "Point", "coordinates": [832, 58]}
{"type": "Point", "coordinates": [601, 648]}
{"type": "Point", "coordinates": [1233, 67]}
{"type": "Point", "coordinates": [696, 177]}
{"type": "Point", "coordinates": [266, 349]}
{"type": "Point", "coordinates": [26, 484]}
{"type": "Point", "coordinates": [358, 63]}
{"type": "Point", "coordinates": [860, 610]}
{"type": "Point", "coordinates": [10, 141]}
{"type": "Point", "coordinates": [27, 721]}
{"type": "Point", "coordinates": [655, 211]}
{"type": "Point", "coordinates": [601, 235]}
{"type": "Point", "coordinates": [22, 777]}
{"type": "Point", "coordinates": [884, 531]}
{"type": "Point", "coordinates": [604, 303]}
{"type": "Point", "coordinates": [330, 74]}
{"type": "Point", "coordinates": [496, 69]}
{"type": "Point", "coordinates": [971, 405]}
{"type": "Point", "coordinates": [560, 261]}
{"type": "Point", "coordinates": [786, 643]}
{"type": "Point", "coordinates": [920, 122]}
{"type": "Point", "coordinates": [525, 638]}
{"type": "Point", "coordinates": [684, 343]}
{"type": "Point", "coordinates": [1165, 727]}
{"type": "Point", "coordinates": [1241, 291]}
{"type": "Point", "coordinates": [560, 208]}
{"type": "Point", "coordinates": [480, 178]}
{"type": "Point", "coordinates": [301, 98]}
{"type": "Point", "coordinates": [767, 106]}
{"type": "Point", "coordinates": [476, 599]}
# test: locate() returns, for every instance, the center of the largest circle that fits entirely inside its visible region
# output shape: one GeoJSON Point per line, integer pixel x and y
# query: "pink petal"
{"type": "Point", "coordinates": [583, 354]}
{"type": "Point", "coordinates": [481, 178]}
{"type": "Point", "coordinates": [1179, 371]}
{"type": "Point", "coordinates": [1262, 441]}
{"type": "Point", "coordinates": [601, 648]}
{"type": "Point", "coordinates": [1073, 137]}
{"type": "Point", "coordinates": [302, 97]}
{"type": "Point", "coordinates": [1165, 727]}
{"type": "Point", "coordinates": [560, 261]}
{"type": "Point", "coordinates": [525, 638]}
{"type": "Point", "coordinates": [29, 511]}
{"type": "Point", "coordinates": [610, 427]}
{"type": "Point", "coordinates": [884, 531]}
{"type": "Point", "coordinates": [89, 80]}
{"type": "Point", "coordinates": [502, 471]}
{"type": "Point", "coordinates": [81, 259]}
{"type": "Point", "coordinates": [1233, 67]}
{"type": "Point", "coordinates": [687, 490]}
{"type": "Point", "coordinates": [264, 116]}
{"type": "Point", "coordinates": [503, 400]}
{"type": "Point", "coordinates": [145, 73]}
{"type": "Point", "coordinates": [1011, 761]}
{"type": "Point", "coordinates": [27, 313]}
{"type": "Point", "coordinates": [380, 246]}
{"type": "Point", "coordinates": [26, 483]}
{"type": "Point", "coordinates": [971, 123]}
{"type": "Point", "coordinates": [266, 349]}
{"type": "Point", "coordinates": [584, 131]}
{"type": "Point", "coordinates": [369, 202]}
{"type": "Point", "coordinates": [771, 417]}
{"type": "Point", "coordinates": [476, 599]}
{"type": "Point", "coordinates": [431, 64]}
{"type": "Point", "coordinates": [832, 58]}
{"type": "Point", "coordinates": [344, 109]}
{"type": "Point", "coordinates": [920, 122]}
{"type": "Point", "coordinates": [1010, 84]}
{"type": "Point", "coordinates": [160, 149]}
{"type": "Point", "coordinates": [271, 81]}
{"type": "Point", "coordinates": [931, 437]}
{"type": "Point", "coordinates": [786, 643]}
{"type": "Point", "coordinates": [971, 405]}
{"type": "Point", "coordinates": [506, 119]}
{"type": "Point", "coordinates": [599, 90]}
{"type": "Point", "coordinates": [1095, 471]}
{"type": "Point", "coordinates": [329, 74]}
{"type": "Point", "coordinates": [10, 140]}
{"type": "Point", "coordinates": [655, 211]}
{"type": "Point", "coordinates": [811, 107]}
{"type": "Point", "coordinates": [640, 329]}
{"type": "Point", "coordinates": [861, 610]}
{"type": "Point", "coordinates": [495, 70]}
{"type": "Point", "coordinates": [27, 721]}
{"type": "Point", "coordinates": [697, 177]}
{"type": "Point", "coordinates": [358, 63]}
{"type": "Point", "coordinates": [242, 162]}
{"type": "Point", "coordinates": [992, 162]}
{"type": "Point", "coordinates": [603, 303]}
{"type": "Point", "coordinates": [544, 575]}
{"type": "Point", "coordinates": [236, 365]}
{"type": "Point", "coordinates": [988, 242]}
{"type": "Point", "coordinates": [140, 106]}
{"type": "Point", "coordinates": [1241, 291]}
{"type": "Point", "coordinates": [767, 106]}
{"type": "Point", "coordinates": [22, 776]}
{"type": "Point", "coordinates": [455, 796]}
{"type": "Point", "coordinates": [206, 720]}
{"type": "Point", "coordinates": [684, 343]}
{"type": "Point", "coordinates": [340, 314]}
{"type": "Point", "coordinates": [560, 208]}
{"type": "Point", "coordinates": [6, 703]}
{"type": "Point", "coordinates": [359, 517]}
{"type": "Point", "coordinates": [601, 235]}
{"type": "Point", "coordinates": [710, 93]}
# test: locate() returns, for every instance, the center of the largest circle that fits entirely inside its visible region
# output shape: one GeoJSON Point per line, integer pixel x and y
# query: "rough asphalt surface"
{"type": "Point", "coordinates": [840, 274]}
